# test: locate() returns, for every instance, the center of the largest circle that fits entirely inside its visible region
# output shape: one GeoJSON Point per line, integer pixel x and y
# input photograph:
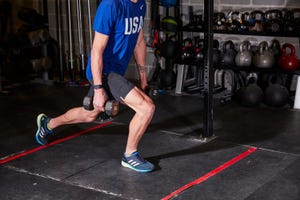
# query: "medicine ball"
{"type": "Point", "coordinates": [166, 78]}
{"type": "Point", "coordinates": [169, 24]}
{"type": "Point", "coordinates": [168, 3]}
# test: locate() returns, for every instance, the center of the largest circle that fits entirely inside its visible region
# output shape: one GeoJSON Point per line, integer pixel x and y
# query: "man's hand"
{"type": "Point", "coordinates": [144, 85]}
{"type": "Point", "coordinates": [100, 98]}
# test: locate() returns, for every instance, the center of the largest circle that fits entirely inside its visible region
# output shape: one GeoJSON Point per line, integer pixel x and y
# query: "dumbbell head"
{"type": "Point", "coordinates": [112, 108]}
{"type": "Point", "coordinates": [88, 103]}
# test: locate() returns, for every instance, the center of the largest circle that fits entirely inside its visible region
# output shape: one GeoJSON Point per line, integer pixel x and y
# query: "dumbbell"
{"type": "Point", "coordinates": [111, 107]}
{"type": "Point", "coordinates": [151, 92]}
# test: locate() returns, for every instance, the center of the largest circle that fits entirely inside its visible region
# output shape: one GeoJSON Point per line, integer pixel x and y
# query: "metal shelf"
{"type": "Point", "coordinates": [296, 34]}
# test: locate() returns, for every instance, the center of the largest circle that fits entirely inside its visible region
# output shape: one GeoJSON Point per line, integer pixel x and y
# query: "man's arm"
{"type": "Point", "coordinates": [140, 58]}
{"type": "Point", "coordinates": [99, 44]}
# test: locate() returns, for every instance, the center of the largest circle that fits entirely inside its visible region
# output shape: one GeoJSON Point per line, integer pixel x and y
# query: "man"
{"type": "Point", "coordinates": [118, 34]}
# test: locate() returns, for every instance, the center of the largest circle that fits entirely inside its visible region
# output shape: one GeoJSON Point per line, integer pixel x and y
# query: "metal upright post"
{"type": "Point", "coordinates": [90, 23]}
{"type": "Point", "coordinates": [80, 39]}
{"type": "Point", "coordinates": [59, 39]}
{"type": "Point", "coordinates": [70, 39]}
{"type": "Point", "coordinates": [208, 69]}
{"type": "Point", "coordinates": [45, 12]}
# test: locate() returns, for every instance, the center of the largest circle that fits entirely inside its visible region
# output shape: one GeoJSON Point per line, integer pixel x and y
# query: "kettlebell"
{"type": "Point", "coordinates": [251, 94]}
{"type": "Point", "coordinates": [296, 19]}
{"type": "Point", "coordinates": [257, 20]}
{"type": "Point", "coordinates": [276, 50]}
{"type": "Point", "coordinates": [199, 51]}
{"type": "Point", "coordinates": [245, 23]}
{"type": "Point", "coordinates": [288, 61]}
{"type": "Point", "coordinates": [288, 21]}
{"type": "Point", "coordinates": [216, 53]}
{"type": "Point", "coordinates": [263, 58]}
{"type": "Point", "coordinates": [234, 21]}
{"type": "Point", "coordinates": [244, 56]}
{"type": "Point", "coordinates": [219, 21]}
{"type": "Point", "coordinates": [187, 50]}
{"type": "Point", "coordinates": [170, 48]}
{"type": "Point", "coordinates": [274, 21]}
{"type": "Point", "coordinates": [276, 94]}
{"type": "Point", "coordinates": [229, 53]}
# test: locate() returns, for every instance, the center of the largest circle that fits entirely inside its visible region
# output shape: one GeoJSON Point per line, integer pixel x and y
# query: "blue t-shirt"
{"type": "Point", "coordinates": [122, 21]}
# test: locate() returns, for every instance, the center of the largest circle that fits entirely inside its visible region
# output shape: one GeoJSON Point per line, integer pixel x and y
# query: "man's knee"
{"type": "Point", "coordinates": [90, 116]}
{"type": "Point", "coordinates": [148, 108]}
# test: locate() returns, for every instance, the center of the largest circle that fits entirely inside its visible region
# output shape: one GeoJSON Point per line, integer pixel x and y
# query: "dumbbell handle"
{"type": "Point", "coordinates": [111, 107]}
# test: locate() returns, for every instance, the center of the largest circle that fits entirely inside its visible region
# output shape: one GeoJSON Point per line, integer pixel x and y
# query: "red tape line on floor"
{"type": "Point", "coordinates": [211, 173]}
{"type": "Point", "coordinates": [24, 153]}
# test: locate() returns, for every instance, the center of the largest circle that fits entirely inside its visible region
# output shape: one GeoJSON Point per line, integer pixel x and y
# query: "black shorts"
{"type": "Point", "coordinates": [116, 86]}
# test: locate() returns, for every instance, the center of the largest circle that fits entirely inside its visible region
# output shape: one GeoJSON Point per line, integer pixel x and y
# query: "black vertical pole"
{"type": "Point", "coordinates": [208, 69]}
{"type": "Point", "coordinates": [80, 39]}
{"type": "Point", "coordinates": [45, 12]}
{"type": "Point", "coordinates": [59, 39]}
{"type": "Point", "coordinates": [70, 40]}
{"type": "Point", "coordinates": [90, 23]}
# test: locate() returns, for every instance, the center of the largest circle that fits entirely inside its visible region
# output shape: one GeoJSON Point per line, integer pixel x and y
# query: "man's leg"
{"type": "Point", "coordinates": [144, 108]}
{"type": "Point", "coordinates": [75, 115]}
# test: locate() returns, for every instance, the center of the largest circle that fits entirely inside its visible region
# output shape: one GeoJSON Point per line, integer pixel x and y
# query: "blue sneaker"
{"type": "Point", "coordinates": [43, 132]}
{"type": "Point", "coordinates": [137, 163]}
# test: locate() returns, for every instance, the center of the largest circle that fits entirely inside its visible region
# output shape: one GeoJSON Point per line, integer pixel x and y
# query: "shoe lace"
{"type": "Point", "coordinates": [139, 158]}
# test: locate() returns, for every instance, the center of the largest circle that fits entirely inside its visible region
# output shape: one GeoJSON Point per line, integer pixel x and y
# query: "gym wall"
{"type": "Point", "coordinates": [220, 5]}
{"type": "Point", "coordinates": [16, 5]}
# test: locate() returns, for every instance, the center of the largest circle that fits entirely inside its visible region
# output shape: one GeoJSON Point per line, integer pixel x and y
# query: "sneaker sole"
{"type": "Point", "coordinates": [38, 121]}
{"type": "Point", "coordinates": [124, 164]}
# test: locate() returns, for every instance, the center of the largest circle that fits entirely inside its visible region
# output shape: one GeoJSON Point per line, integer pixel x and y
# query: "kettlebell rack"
{"type": "Point", "coordinates": [220, 91]}
{"type": "Point", "coordinates": [172, 46]}
{"type": "Point", "coordinates": [204, 72]}
{"type": "Point", "coordinates": [208, 73]}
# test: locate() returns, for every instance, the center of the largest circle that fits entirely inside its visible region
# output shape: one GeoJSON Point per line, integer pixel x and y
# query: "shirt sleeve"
{"type": "Point", "coordinates": [105, 17]}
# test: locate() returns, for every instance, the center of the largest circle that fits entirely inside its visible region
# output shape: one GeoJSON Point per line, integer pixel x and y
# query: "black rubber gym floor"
{"type": "Point", "coordinates": [255, 156]}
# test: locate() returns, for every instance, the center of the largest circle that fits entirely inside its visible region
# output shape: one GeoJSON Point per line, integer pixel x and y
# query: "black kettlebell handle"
{"type": "Point", "coordinates": [275, 79]}
{"type": "Point", "coordinates": [228, 45]}
{"type": "Point", "coordinates": [275, 44]}
{"type": "Point", "coordinates": [216, 44]}
{"type": "Point", "coordinates": [251, 78]}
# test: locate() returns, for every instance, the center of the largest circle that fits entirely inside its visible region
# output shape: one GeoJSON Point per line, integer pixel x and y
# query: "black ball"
{"type": "Point", "coordinates": [167, 78]}
{"type": "Point", "coordinates": [276, 95]}
{"type": "Point", "coordinates": [252, 95]}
